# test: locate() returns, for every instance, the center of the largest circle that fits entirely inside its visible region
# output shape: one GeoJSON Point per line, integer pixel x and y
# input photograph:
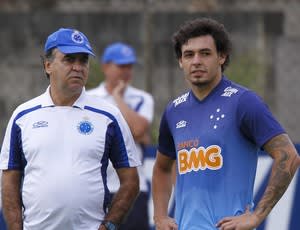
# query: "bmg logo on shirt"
{"type": "Point", "coordinates": [200, 159]}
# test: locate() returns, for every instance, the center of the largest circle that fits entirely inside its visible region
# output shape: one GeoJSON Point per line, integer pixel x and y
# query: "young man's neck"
{"type": "Point", "coordinates": [201, 91]}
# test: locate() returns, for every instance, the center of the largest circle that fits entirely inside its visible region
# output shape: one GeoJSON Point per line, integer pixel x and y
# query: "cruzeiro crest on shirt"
{"type": "Point", "coordinates": [85, 127]}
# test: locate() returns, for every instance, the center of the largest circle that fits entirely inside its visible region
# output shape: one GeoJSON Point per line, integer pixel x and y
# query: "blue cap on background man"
{"type": "Point", "coordinates": [119, 53]}
{"type": "Point", "coordinates": [68, 41]}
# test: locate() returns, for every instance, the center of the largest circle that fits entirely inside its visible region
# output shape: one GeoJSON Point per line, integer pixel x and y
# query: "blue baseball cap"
{"type": "Point", "coordinates": [68, 41]}
{"type": "Point", "coordinates": [119, 53]}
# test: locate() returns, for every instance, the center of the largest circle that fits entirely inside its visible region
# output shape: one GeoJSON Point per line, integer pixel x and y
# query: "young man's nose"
{"type": "Point", "coordinates": [196, 59]}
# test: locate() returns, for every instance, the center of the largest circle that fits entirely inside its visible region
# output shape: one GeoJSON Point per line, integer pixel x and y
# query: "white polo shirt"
{"type": "Point", "coordinates": [64, 152]}
{"type": "Point", "coordinates": [142, 103]}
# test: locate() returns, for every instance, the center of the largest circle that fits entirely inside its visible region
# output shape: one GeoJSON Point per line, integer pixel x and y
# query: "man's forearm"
{"type": "Point", "coordinates": [11, 200]}
{"type": "Point", "coordinates": [121, 204]}
{"type": "Point", "coordinates": [124, 198]}
{"type": "Point", "coordinates": [161, 191]}
{"type": "Point", "coordinates": [284, 167]}
{"type": "Point", "coordinates": [13, 218]}
{"type": "Point", "coordinates": [278, 184]}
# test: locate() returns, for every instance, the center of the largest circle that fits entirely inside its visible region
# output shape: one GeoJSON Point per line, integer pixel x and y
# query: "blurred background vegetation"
{"type": "Point", "coordinates": [246, 70]}
{"type": "Point", "coordinates": [96, 75]}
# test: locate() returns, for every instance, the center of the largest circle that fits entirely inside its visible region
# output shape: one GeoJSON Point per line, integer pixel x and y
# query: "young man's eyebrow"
{"type": "Point", "coordinates": [192, 50]}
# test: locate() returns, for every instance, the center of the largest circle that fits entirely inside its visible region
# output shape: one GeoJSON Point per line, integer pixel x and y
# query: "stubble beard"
{"type": "Point", "coordinates": [200, 84]}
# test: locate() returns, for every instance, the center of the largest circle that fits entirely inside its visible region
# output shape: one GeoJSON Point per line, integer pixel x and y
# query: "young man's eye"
{"type": "Point", "coordinates": [188, 55]}
{"type": "Point", "coordinates": [205, 53]}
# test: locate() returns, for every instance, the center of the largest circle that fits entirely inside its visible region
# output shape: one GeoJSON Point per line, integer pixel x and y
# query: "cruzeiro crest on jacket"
{"type": "Point", "coordinates": [180, 99]}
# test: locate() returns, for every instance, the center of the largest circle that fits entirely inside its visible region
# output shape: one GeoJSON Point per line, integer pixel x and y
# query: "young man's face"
{"type": "Point", "coordinates": [200, 61]}
{"type": "Point", "coordinates": [68, 72]}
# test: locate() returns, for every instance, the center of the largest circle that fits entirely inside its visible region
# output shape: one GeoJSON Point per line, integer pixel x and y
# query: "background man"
{"type": "Point", "coordinates": [137, 108]}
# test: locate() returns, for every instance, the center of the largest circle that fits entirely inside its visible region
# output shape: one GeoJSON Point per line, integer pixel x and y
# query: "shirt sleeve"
{"type": "Point", "coordinates": [256, 120]}
{"type": "Point", "coordinates": [12, 156]}
{"type": "Point", "coordinates": [145, 107]}
{"type": "Point", "coordinates": [123, 149]}
{"type": "Point", "coordinates": [166, 144]}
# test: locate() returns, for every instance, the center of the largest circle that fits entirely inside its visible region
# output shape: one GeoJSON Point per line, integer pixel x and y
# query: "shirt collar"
{"type": "Point", "coordinates": [104, 93]}
{"type": "Point", "coordinates": [48, 102]}
{"type": "Point", "coordinates": [80, 102]}
{"type": "Point", "coordinates": [102, 90]}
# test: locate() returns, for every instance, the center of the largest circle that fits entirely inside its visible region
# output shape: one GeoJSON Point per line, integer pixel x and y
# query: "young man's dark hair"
{"type": "Point", "coordinates": [202, 27]}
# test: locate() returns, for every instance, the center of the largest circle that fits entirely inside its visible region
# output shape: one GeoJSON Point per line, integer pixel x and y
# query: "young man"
{"type": "Point", "coordinates": [57, 147]}
{"type": "Point", "coordinates": [214, 132]}
{"type": "Point", "coordinates": [137, 108]}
